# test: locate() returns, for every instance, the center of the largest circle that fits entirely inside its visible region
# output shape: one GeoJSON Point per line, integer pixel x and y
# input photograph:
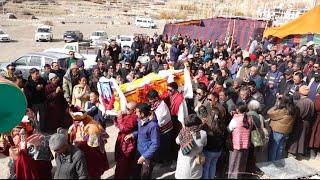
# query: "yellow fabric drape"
{"type": "Point", "coordinates": [307, 23]}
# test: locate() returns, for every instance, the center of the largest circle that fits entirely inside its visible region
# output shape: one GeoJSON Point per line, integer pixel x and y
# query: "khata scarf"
{"type": "Point", "coordinates": [187, 142]}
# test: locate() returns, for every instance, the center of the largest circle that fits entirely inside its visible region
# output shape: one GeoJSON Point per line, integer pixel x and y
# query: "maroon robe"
{"type": "Point", "coordinates": [300, 136]}
{"type": "Point", "coordinates": [27, 168]}
{"type": "Point", "coordinates": [97, 162]}
{"type": "Point", "coordinates": [315, 135]}
{"type": "Point", "coordinates": [56, 106]}
{"type": "Point", "coordinates": [125, 151]}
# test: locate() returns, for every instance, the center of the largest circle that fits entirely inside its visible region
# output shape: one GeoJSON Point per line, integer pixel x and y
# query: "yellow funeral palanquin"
{"type": "Point", "coordinates": [138, 89]}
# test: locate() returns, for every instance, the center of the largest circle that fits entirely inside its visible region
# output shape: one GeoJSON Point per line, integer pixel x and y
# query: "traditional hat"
{"type": "Point", "coordinates": [304, 90]}
{"type": "Point", "coordinates": [78, 116]}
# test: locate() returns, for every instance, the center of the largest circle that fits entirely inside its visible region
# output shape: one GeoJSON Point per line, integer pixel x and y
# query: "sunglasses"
{"type": "Point", "coordinates": [127, 64]}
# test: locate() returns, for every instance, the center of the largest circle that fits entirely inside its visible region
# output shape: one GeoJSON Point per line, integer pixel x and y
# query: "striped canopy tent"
{"type": "Point", "coordinates": [301, 30]}
{"type": "Point", "coordinates": [218, 28]}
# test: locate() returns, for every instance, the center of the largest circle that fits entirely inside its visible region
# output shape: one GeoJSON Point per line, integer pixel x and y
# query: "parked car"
{"type": "Point", "coordinates": [98, 37]}
{"type": "Point", "coordinates": [88, 59]}
{"type": "Point", "coordinates": [144, 22]}
{"type": "Point", "coordinates": [4, 37]}
{"type": "Point", "coordinates": [43, 33]}
{"type": "Point", "coordinates": [125, 40]}
{"type": "Point", "coordinates": [72, 36]}
{"type": "Point", "coordinates": [36, 60]}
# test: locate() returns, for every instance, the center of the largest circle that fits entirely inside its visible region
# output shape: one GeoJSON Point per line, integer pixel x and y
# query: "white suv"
{"type": "Point", "coordinates": [43, 33]}
{"type": "Point", "coordinates": [98, 37]}
{"type": "Point", "coordinates": [4, 37]}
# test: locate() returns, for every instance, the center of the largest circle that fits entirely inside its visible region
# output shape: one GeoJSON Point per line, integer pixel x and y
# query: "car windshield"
{"type": "Point", "coordinates": [43, 30]}
{"type": "Point", "coordinates": [97, 34]}
{"type": "Point", "coordinates": [70, 32]}
{"type": "Point", "coordinates": [125, 39]}
{"type": "Point", "coordinates": [1, 32]}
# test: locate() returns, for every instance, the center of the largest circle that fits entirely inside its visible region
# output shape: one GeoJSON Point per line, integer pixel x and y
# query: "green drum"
{"type": "Point", "coordinates": [13, 106]}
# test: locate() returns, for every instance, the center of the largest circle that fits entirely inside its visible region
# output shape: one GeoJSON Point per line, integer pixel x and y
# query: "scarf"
{"type": "Point", "coordinates": [187, 142]}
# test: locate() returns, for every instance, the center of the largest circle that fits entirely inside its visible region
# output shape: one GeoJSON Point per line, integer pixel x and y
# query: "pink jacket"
{"type": "Point", "coordinates": [241, 135]}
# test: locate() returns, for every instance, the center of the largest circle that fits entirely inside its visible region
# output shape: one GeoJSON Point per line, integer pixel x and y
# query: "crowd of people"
{"type": "Point", "coordinates": [247, 108]}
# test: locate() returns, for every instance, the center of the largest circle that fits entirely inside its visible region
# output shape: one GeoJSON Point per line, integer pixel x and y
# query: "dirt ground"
{"type": "Point", "coordinates": [159, 173]}
{"type": "Point", "coordinates": [22, 32]}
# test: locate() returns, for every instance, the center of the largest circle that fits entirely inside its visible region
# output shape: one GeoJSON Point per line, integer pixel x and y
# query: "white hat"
{"type": "Point", "coordinates": [310, 43]}
{"type": "Point", "coordinates": [51, 76]}
{"type": "Point", "coordinates": [190, 56]}
{"type": "Point", "coordinates": [303, 48]}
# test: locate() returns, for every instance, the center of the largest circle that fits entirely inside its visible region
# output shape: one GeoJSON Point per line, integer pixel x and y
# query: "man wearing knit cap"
{"type": "Point", "coordinates": [299, 139]}
{"type": "Point", "coordinates": [71, 162]}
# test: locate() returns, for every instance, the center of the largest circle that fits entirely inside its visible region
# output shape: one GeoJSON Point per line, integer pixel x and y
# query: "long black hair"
{"type": "Point", "coordinates": [286, 102]}
{"type": "Point", "coordinates": [244, 109]}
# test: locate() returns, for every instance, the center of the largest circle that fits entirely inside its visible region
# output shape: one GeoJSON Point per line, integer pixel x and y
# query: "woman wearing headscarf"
{"type": "Point", "coordinates": [191, 140]}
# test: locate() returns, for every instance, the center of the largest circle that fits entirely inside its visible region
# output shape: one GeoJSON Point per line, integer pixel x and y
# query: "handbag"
{"type": "Point", "coordinates": [265, 130]}
{"type": "Point", "coordinates": [200, 159]}
{"type": "Point", "coordinates": [256, 137]}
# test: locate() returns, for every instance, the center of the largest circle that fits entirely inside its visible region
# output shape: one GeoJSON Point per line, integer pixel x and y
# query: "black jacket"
{"type": "Point", "coordinates": [33, 95]}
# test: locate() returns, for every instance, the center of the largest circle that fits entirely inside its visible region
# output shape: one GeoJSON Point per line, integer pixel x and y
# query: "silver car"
{"type": "Point", "coordinates": [36, 60]}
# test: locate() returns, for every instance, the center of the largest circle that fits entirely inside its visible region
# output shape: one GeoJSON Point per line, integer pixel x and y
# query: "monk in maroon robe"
{"type": "Point", "coordinates": [125, 151]}
{"type": "Point", "coordinates": [56, 105]}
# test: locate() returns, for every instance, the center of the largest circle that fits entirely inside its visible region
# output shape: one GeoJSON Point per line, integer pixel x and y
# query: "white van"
{"type": "Point", "coordinates": [43, 33]}
{"type": "Point", "coordinates": [144, 22]}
